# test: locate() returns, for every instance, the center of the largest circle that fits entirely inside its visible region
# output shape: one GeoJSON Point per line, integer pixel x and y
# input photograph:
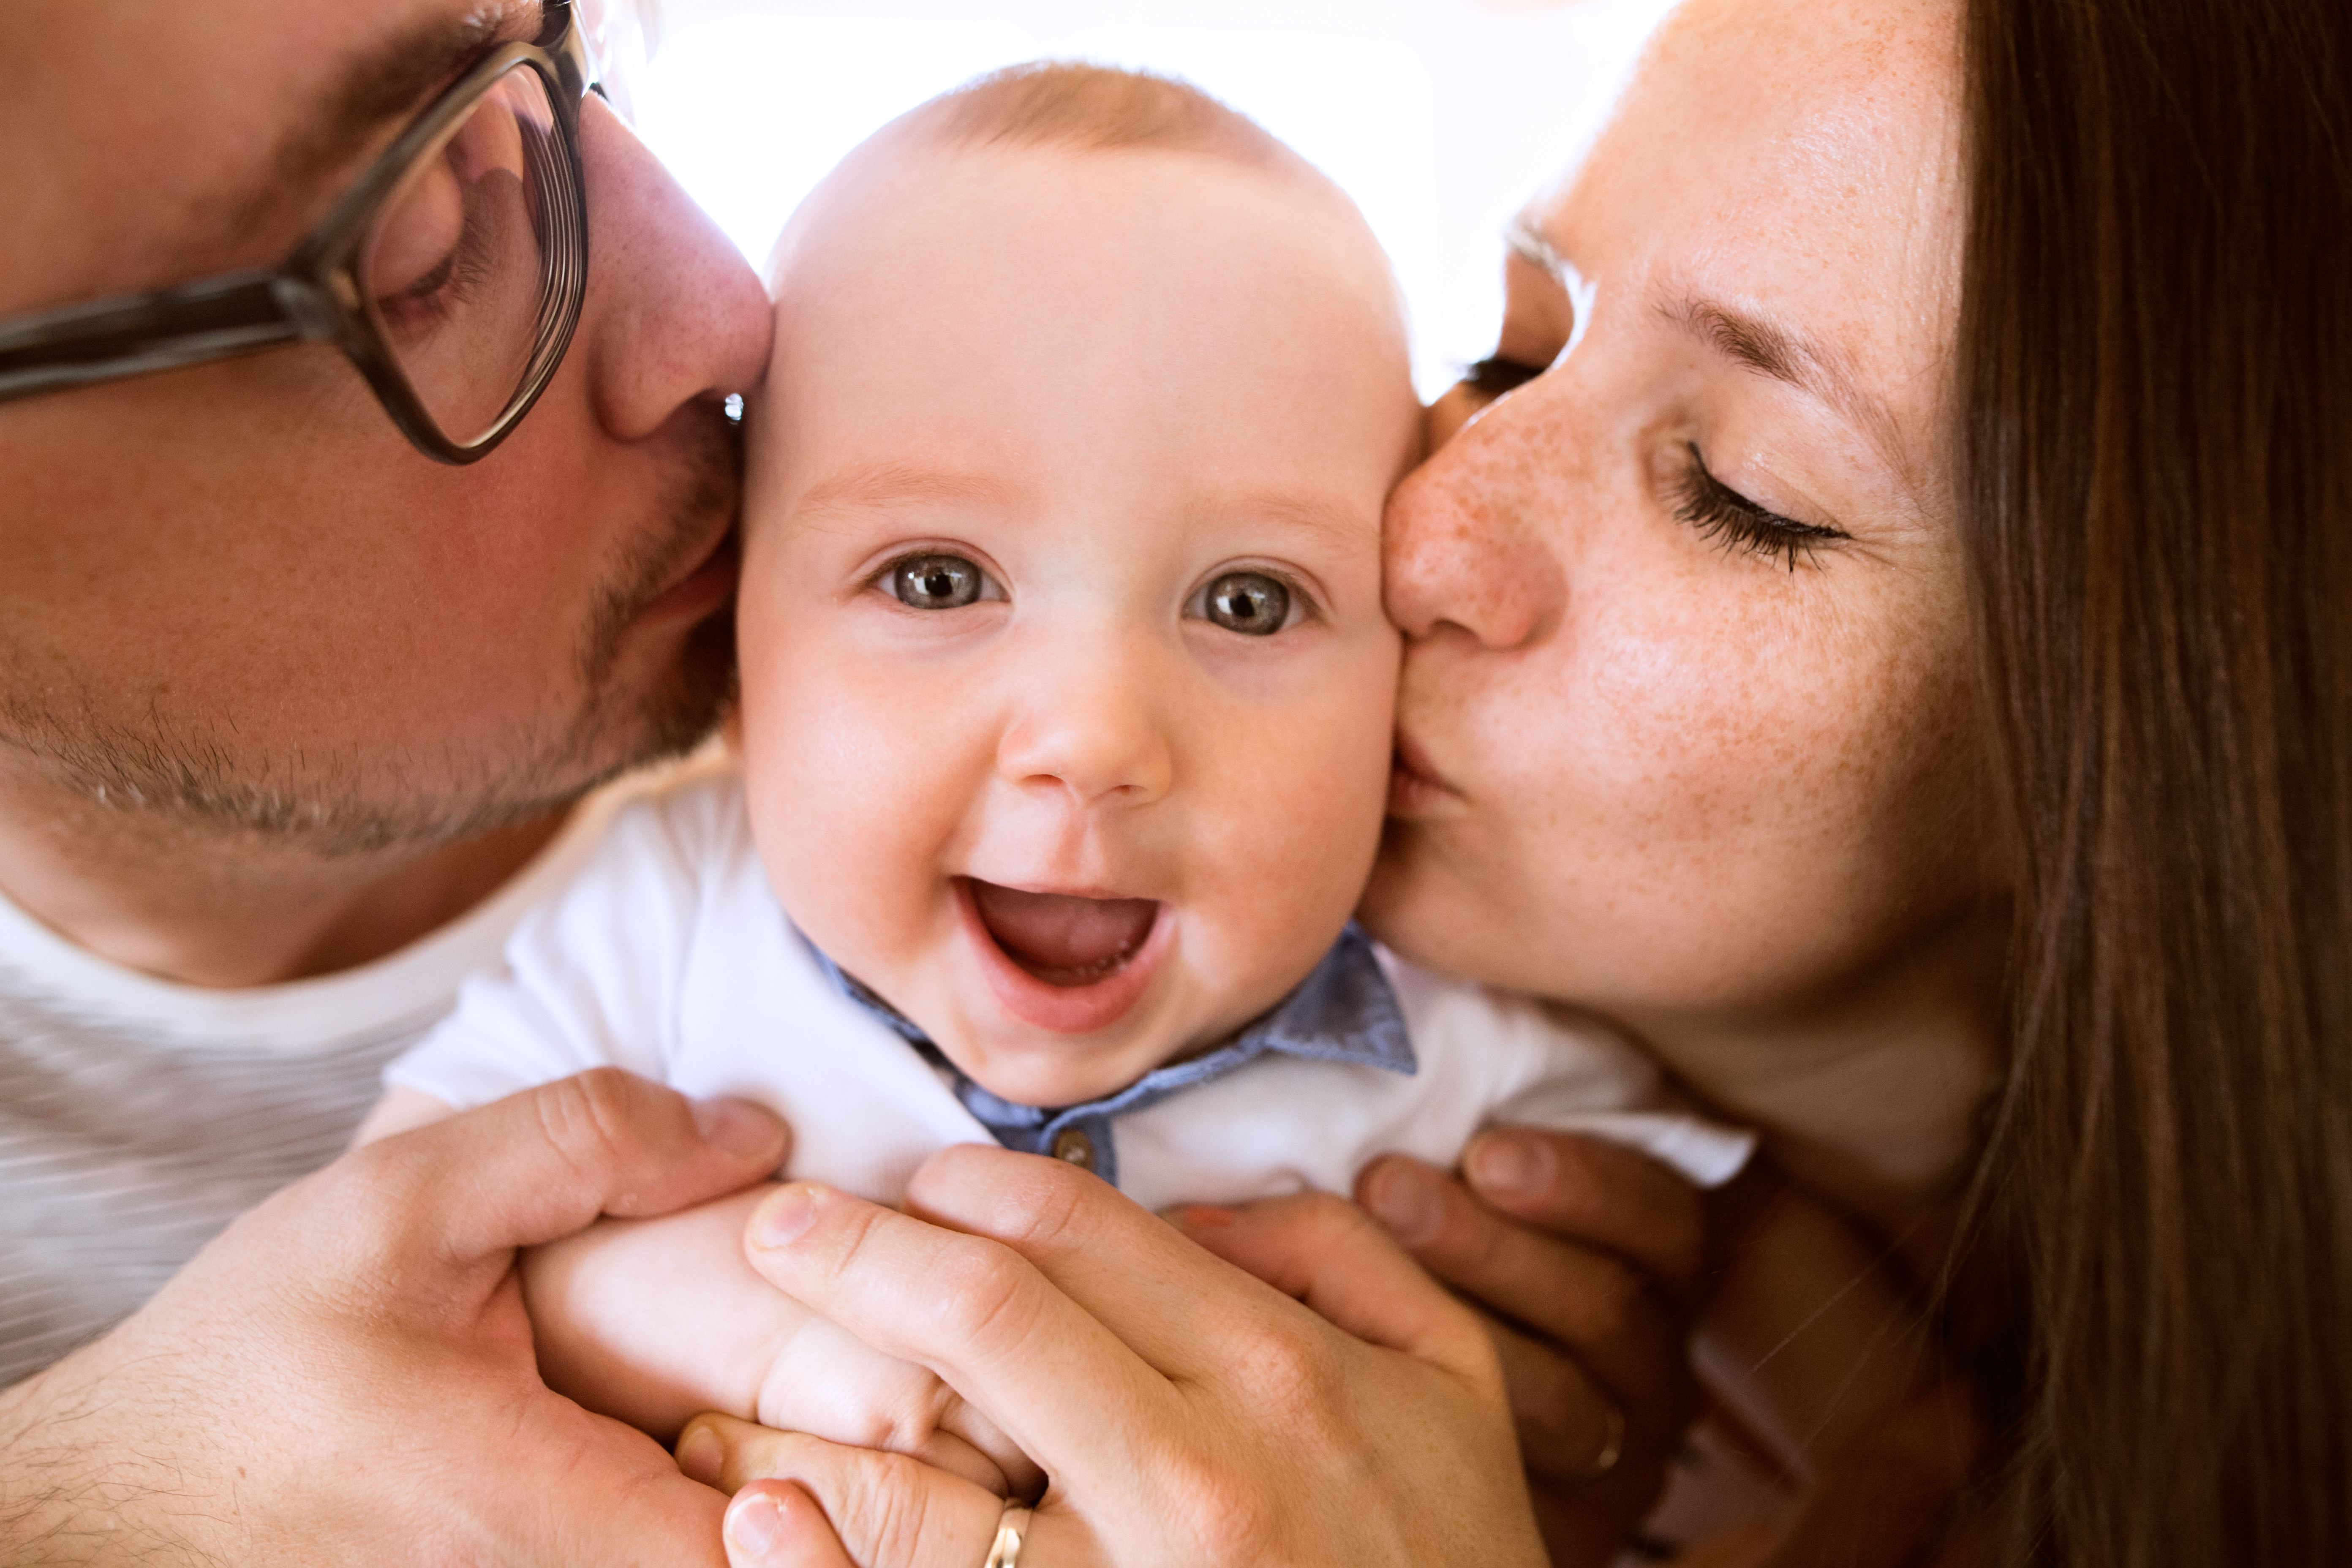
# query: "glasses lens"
{"type": "Point", "coordinates": [473, 270]}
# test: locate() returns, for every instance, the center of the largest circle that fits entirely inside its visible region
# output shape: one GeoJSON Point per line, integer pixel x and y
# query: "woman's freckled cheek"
{"type": "Point", "coordinates": [1754, 723]}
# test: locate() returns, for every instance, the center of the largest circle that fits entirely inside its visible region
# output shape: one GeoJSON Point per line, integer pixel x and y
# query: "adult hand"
{"type": "Point", "coordinates": [1591, 1258]}
{"type": "Point", "coordinates": [1586, 1257]}
{"type": "Point", "coordinates": [345, 1375]}
{"type": "Point", "coordinates": [1186, 1412]}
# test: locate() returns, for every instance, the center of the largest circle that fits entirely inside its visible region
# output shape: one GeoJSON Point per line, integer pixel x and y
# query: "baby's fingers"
{"type": "Point", "coordinates": [885, 1510]}
{"type": "Point", "coordinates": [975, 1448]}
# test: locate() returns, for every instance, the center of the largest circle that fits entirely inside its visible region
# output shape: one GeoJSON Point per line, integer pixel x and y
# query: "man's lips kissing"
{"type": "Point", "coordinates": [1062, 962]}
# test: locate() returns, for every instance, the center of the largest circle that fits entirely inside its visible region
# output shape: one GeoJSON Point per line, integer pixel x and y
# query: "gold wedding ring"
{"type": "Point", "coordinates": [1612, 1448]}
{"type": "Point", "coordinates": [1012, 1530]}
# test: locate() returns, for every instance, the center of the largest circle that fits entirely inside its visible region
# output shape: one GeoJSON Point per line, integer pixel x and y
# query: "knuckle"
{"type": "Point", "coordinates": [588, 1119]}
{"type": "Point", "coordinates": [1046, 1209]}
{"type": "Point", "coordinates": [1221, 1514]}
{"type": "Point", "coordinates": [1296, 1371]}
{"type": "Point", "coordinates": [912, 1411]}
{"type": "Point", "coordinates": [890, 1504]}
{"type": "Point", "coordinates": [988, 1300]}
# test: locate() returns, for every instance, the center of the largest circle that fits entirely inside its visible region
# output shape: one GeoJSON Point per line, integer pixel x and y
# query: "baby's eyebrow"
{"type": "Point", "coordinates": [1328, 518]}
{"type": "Point", "coordinates": [869, 485]}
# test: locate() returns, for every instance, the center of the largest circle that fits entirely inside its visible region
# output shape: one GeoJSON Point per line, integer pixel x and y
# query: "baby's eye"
{"type": "Point", "coordinates": [939, 582]}
{"type": "Point", "coordinates": [1250, 603]}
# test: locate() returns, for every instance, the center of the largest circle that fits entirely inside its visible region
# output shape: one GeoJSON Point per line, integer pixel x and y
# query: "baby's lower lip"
{"type": "Point", "coordinates": [1077, 1001]}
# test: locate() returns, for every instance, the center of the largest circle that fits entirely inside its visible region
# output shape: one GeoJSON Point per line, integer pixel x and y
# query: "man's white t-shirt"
{"type": "Point", "coordinates": [670, 956]}
{"type": "Point", "coordinates": [139, 1117]}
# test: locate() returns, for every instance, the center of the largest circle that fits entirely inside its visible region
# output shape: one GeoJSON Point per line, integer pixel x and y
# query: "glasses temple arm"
{"type": "Point", "coordinates": [238, 313]}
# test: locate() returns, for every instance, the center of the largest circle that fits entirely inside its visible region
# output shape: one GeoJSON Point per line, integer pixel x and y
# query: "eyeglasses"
{"type": "Point", "coordinates": [451, 275]}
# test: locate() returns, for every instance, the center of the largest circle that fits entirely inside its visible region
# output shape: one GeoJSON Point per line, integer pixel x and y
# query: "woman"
{"type": "Point", "coordinates": [1894, 651]}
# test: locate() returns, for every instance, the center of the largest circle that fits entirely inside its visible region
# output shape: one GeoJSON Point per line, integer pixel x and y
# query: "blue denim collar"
{"type": "Point", "coordinates": [1345, 1011]}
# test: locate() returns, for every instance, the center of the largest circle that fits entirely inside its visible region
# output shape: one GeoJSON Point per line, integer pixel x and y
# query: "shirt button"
{"type": "Point", "coordinates": [1076, 1147]}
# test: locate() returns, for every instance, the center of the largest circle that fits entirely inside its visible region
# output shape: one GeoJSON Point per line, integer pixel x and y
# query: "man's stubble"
{"type": "Point", "coordinates": [180, 781]}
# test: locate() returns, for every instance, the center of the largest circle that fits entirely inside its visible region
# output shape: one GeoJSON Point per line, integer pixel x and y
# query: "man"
{"type": "Point", "coordinates": [363, 505]}
{"type": "Point", "coordinates": [283, 697]}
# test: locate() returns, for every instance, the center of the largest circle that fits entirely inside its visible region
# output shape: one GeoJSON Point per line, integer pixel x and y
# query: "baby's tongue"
{"type": "Point", "coordinates": [1062, 940]}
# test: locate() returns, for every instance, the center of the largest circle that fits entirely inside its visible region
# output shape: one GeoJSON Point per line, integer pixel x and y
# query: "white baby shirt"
{"type": "Point", "coordinates": [669, 956]}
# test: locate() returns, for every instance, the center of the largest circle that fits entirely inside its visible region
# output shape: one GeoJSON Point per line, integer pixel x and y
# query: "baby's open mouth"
{"type": "Point", "coordinates": [1060, 938]}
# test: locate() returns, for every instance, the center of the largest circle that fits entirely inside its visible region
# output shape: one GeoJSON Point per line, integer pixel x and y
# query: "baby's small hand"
{"type": "Point", "coordinates": [653, 1321]}
{"type": "Point", "coordinates": [826, 1382]}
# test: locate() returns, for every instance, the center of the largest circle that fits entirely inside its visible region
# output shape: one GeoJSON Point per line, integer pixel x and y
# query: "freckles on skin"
{"type": "Point", "coordinates": [1692, 777]}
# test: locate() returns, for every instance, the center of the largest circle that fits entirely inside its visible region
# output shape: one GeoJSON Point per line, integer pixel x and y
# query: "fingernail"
{"type": "Point", "coordinates": [755, 1525]}
{"type": "Point", "coordinates": [699, 1455]}
{"type": "Point", "coordinates": [1508, 1164]}
{"type": "Point", "coordinates": [734, 1127]}
{"type": "Point", "coordinates": [784, 1218]}
{"type": "Point", "coordinates": [1403, 1197]}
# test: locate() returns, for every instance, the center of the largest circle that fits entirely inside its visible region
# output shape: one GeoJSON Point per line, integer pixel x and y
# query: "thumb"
{"type": "Point", "coordinates": [880, 1509]}
{"type": "Point", "coordinates": [548, 1162]}
{"type": "Point", "coordinates": [775, 1524]}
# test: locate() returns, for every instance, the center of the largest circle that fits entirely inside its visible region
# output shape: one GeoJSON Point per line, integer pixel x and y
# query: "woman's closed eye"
{"type": "Point", "coordinates": [1722, 514]}
{"type": "Point", "coordinates": [938, 580]}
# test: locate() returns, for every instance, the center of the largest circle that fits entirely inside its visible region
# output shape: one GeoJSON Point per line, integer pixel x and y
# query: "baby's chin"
{"type": "Point", "coordinates": [1032, 1067]}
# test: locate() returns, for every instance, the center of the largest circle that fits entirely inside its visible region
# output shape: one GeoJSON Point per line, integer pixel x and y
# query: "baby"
{"type": "Point", "coordinates": [1065, 741]}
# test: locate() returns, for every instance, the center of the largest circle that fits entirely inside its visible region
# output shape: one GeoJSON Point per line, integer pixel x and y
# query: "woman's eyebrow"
{"type": "Point", "coordinates": [1769, 348]}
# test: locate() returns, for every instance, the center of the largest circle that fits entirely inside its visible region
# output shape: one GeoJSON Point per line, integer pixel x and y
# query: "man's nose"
{"type": "Point", "coordinates": [1468, 547]}
{"type": "Point", "coordinates": [673, 312]}
{"type": "Point", "coordinates": [1092, 728]}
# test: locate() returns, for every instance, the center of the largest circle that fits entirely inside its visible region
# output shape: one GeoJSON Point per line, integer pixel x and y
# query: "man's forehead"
{"type": "Point", "coordinates": [169, 140]}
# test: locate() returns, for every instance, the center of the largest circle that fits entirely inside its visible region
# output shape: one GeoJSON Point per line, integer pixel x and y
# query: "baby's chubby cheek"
{"type": "Point", "coordinates": [1290, 827]}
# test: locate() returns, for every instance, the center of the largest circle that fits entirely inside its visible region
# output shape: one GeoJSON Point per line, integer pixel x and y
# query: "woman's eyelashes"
{"type": "Point", "coordinates": [1722, 515]}
{"type": "Point", "coordinates": [938, 580]}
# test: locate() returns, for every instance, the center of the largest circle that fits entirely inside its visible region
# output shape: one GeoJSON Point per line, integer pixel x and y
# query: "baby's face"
{"type": "Point", "coordinates": [1066, 686]}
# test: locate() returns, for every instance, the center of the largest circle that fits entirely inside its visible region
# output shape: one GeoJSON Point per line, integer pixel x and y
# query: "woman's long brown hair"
{"type": "Point", "coordinates": [2155, 395]}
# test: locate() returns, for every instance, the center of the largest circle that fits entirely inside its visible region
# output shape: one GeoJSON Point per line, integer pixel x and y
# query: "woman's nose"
{"type": "Point", "coordinates": [1467, 549]}
{"type": "Point", "coordinates": [1091, 729]}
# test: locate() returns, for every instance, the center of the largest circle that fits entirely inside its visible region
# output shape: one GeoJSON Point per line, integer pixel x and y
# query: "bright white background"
{"type": "Point", "coordinates": [1440, 117]}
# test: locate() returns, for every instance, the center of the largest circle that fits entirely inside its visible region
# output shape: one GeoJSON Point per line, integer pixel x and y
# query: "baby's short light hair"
{"type": "Point", "coordinates": [1094, 109]}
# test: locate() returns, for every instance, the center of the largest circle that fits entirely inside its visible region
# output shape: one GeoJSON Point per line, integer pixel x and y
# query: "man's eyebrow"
{"type": "Point", "coordinates": [375, 86]}
{"type": "Point", "coordinates": [1759, 343]}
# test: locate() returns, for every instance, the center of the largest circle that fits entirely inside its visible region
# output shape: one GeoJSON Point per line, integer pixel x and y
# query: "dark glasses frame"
{"type": "Point", "coordinates": [315, 297]}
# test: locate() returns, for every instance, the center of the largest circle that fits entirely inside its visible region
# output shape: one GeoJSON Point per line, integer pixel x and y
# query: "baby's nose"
{"type": "Point", "coordinates": [1092, 728]}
